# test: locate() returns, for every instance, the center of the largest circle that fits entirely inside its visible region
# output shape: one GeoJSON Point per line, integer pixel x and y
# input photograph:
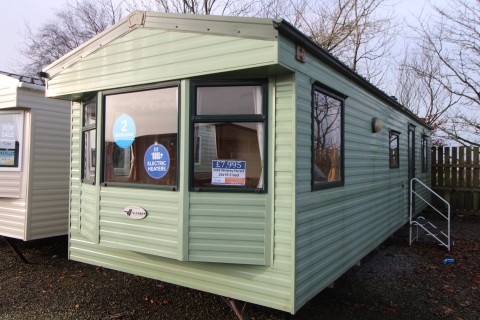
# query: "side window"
{"type": "Point", "coordinates": [424, 152]}
{"type": "Point", "coordinates": [89, 132]}
{"type": "Point", "coordinates": [228, 143]}
{"type": "Point", "coordinates": [11, 139]}
{"type": "Point", "coordinates": [327, 139]}
{"type": "Point", "coordinates": [394, 147]}
{"type": "Point", "coordinates": [141, 137]}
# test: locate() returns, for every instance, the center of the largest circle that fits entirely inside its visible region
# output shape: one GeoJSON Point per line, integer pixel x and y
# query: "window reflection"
{"type": "Point", "coordinates": [327, 138]}
{"type": "Point", "coordinates": [394, 149]}
{"type": "Point", "coordinates": [230, 141]}
{"type": "Point", "coordinates": [153, 120]}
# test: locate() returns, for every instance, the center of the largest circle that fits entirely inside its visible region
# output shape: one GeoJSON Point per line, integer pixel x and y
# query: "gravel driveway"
{"type": "Point", "coordinates": [394, 282]}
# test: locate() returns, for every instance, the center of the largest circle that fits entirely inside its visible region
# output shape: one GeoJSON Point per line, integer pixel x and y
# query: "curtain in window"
{"type": "Point", "coordinates": [18, 121]}
{"type": "Point", "coordinates": [334, 172]}
{"type": "Point", "coordinates": [133, 175]}
{"type": "Point", "coordinates": [109, 169]}
{"type": "Point", "coordinates": [258, 103]}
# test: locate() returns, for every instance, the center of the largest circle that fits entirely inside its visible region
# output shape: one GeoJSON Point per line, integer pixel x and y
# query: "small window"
{"type": "Point", "coordinates": [11, 140]}
{"type": "Point", "coordinates": [228, 149]}
{"type": "Point", "coordinates": [394, 149]}
{"type": "Point", "coordinates": [327, 139]}
{"type": "Point", "coordinates": [89, 131]}
{"type": "Point", "coordinates": [424, 153]}
{"type": "Point", "coordinates": [141, 137]}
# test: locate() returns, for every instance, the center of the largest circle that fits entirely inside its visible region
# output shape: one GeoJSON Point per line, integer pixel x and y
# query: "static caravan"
{"type": "Point", "coordinates": [34, 160]}
{"type": "Point", "coordinates": [230, 155]}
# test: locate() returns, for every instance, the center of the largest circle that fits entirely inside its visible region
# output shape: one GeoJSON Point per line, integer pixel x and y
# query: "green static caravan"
{"type": "Point", "coordinates": [230, 155]}
{"type": "Point", "coordinates": [34, 160]}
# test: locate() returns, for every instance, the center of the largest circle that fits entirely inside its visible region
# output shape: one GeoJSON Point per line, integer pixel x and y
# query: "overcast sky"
{"type": "Point", "coordinates": [14, 14]}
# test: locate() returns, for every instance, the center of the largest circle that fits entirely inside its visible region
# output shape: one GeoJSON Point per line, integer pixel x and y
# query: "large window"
{"type": "Point", "coordinates": [228, 143]}
{"type": "Point", "coordinates": [394, 147]}
{"type": "Point", "coordinates": [11, 139]}
{"type": "Point", "coordinates": [327, 139]}
{"type": "Point", "coordinates": [89, 131]}
{"type": "Point", "coordinates": [141, 137]}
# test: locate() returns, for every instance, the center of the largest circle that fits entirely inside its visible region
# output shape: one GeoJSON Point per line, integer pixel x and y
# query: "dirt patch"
{"type": "Point", "coordinates": [396, 281]}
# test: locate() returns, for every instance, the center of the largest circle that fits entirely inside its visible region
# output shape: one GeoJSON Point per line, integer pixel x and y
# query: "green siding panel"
{"type": "Point", "coordinates": [156, 234]}
{"type": "Point", "coordinates": [146, 56]}
{"type": "Point", "coordinates": [337, 227]}
{"type": "Point", "coordinates": [227, 228]}
{"type": "Point", "coordinates": [241, 226]}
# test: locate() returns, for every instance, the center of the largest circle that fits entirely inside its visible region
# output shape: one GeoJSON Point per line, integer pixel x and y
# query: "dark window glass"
{"type": "Point", "coordinates": [424, 153]}
{"type": "Point", "coordinates": [394, 149]}
{"type": "Point", "coordinates": [229, 137]}
{"type": "Point", "coordinates": [141, 133]}
{"type": "Point", "coordinates": [89, 129]}
{"type": "Point", "coordinates": [327, 139]}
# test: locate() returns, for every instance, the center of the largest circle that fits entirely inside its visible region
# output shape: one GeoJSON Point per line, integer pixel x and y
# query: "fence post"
{"type": "Point", "coordinates": [456, 176]}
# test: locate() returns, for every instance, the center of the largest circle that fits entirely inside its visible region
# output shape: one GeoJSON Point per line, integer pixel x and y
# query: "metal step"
{"type": "Point", "coordinates": [421, 224]}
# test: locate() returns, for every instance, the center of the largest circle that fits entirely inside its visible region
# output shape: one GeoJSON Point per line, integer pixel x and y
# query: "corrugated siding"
{"type": "Point", "coordinates": [8, 92]}
{"type": "Point", "coordinates": [12, 217]}
{"type": "Point", "coordinates": [75, 168]}
{"type": "Point", "coordinates": [11, 184]}
{"type": "Point", "coordinates": [157, 234]}
{"type": "Point", "coordinates": [50, 167]}
{"type": "Point", "coordinates": [145, 56]}
{"type": "Point", "coordinates": [336, 227]}
{"type": "Point", "coordinates": [266, 285]}
{"type": "Point", "coordinates": [83, 197]}
{"type": "Point", "coordinates": [88, 225]}
{"type": "Point", "coordinates": [284, 178]}
{"type": "Point", "coordinates": [227, 228]}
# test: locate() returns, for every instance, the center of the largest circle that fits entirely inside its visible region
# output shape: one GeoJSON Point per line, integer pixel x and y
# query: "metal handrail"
{"type": "Point", "coordinates": [417, 224]}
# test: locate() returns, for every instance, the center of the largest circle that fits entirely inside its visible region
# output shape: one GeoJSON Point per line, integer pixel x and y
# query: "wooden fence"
{"type": "Point", "coordinates": [455, 176]}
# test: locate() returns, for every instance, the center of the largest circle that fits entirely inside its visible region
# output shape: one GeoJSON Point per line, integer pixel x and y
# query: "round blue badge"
{"type": "Point", "coordinates": [156, 161]}
{"type": "Point", "coordinates": [124, 131]}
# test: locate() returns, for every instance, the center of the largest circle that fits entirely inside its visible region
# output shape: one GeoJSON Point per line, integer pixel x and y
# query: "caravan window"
{"type": "Point", "coordinates": [394, 143]}
{"type": "Point", "coordinates": [89, 131]}
{"type": "Point", "coordinates": [228, 136]}
{"type": "Point", "coordinates": [424, 151]}
{"type": "Point", "coordinates": [11, 140]}
{"type": "Point", "coordinates": [141, 137]}
{"type": "Point", "coordinates": [327, 139]}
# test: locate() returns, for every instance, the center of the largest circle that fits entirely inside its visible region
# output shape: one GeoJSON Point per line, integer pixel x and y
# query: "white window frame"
{"type": "Point", "coordinates": [20, 136]}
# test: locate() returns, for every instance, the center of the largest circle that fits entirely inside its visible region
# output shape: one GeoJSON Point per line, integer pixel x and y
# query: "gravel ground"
{"type": "Point", "coordinates": [396, 281]}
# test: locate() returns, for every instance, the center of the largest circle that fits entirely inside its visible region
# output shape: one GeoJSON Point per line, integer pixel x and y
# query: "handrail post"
{"type": "Point", "coordinates": [426, 223]}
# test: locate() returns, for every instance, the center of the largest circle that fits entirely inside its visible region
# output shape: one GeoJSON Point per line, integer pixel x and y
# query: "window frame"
{"type": "Point", "coordinates": [19, 145]}
{"type": "Point", "coordinates": [424, 153]}
{"type": "Point", "coordinates": [104, 94]}
{"type": "Point", "coordinates": [397, 164]}
{"type": "Point", "coordinates": [341, 98]}
{"type": "Point", "coordinates": [194, 118]}
{"type": "Point", "coordinates": [86, 128]}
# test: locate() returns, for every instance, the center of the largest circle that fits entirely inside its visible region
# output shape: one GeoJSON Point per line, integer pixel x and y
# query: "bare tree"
{"type": "Point", "coordinates": [440, 77]}
{"type": "Point", "coordinates": [218, 7]}
{"type": "Point", "coordinates": [361, 33]}
{"type": "Point", "coordinates": [454, 37]}
{"type": "Point", "coordinates": [419, 90]}
{"type": "Point", "coordinates": [76, 23]}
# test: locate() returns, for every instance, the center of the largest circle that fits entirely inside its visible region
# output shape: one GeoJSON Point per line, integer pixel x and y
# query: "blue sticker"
{"type": "Point", "coordinates": [156, 161]}
{"type": "Point", "coordinates": [124, 131]}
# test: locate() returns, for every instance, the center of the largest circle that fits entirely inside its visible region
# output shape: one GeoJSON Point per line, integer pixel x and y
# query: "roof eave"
{"type": "Point", "coordinates": [135, 20]}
